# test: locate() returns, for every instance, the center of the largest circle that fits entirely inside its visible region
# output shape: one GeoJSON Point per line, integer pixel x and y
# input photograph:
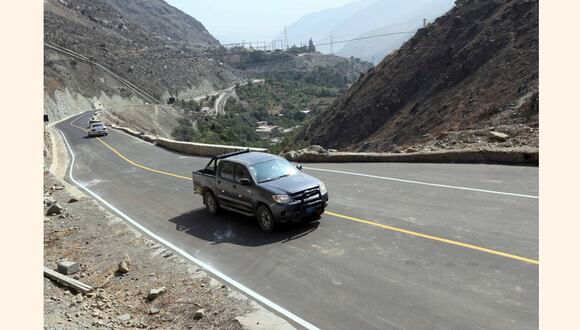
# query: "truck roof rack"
{"type": "Point", "coordinates": [232, 154]}
{"type": "Point", "coordinates": [214, 159]}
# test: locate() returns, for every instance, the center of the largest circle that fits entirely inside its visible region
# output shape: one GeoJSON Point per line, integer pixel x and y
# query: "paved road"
{"type": "Point", "coordinates": [220, 102]}
{"type": "Point", "coordinates": [357, 268]}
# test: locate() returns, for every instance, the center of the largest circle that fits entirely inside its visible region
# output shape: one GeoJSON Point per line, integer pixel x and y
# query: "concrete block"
{"type": "Point", "coordinates": [68, 267]}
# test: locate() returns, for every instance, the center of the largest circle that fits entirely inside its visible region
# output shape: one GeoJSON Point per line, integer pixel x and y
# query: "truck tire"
{"type": "Point", "coordinates": [211, 203]}
{"type": "Point", "coordinates": [265, 219]}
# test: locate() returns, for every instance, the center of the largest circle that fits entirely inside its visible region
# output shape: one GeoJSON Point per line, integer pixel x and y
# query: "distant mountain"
{"type": "Point", "coordinates": [474, 68]}
{"type": "Point", "coordinates": [406, 19]}
{"type": "Point", "coordinates": [364, 18]}
{"type": "Point", "coordinates": [318, 25]}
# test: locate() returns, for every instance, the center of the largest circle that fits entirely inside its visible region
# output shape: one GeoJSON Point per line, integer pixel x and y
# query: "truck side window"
{"type": "Point", "coordinates": [227, 171]}
{"type": "Point", "coordinates": [242, 173]}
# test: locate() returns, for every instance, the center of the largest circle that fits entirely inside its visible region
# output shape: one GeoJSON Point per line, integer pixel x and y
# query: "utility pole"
{"type": "Point", "coordinates": [331, 45]}
{"type": "Point", "coordinates": [424, 22]}
{"type": "Point", "coordinates": [286, 36]}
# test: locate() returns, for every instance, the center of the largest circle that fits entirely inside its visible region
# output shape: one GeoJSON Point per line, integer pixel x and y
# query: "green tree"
{"type": "Point", "coordinates": [184, 130]}
{"type": "Point", "coordinates": [311, 47]}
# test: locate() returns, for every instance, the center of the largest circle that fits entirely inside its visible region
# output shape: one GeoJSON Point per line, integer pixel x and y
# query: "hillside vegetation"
{"type": "Point", "coordinates": [280, 102]}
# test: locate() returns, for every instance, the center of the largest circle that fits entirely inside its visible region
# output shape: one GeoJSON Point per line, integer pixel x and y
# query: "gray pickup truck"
{"type": "Point", "coordinates": [261, 185]}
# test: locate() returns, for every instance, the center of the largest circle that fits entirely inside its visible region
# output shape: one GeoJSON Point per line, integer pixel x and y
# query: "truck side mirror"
{"type": "Point", "coordinates": [299, 167]}
{"type": "Point", "coordinates": [245, 182]}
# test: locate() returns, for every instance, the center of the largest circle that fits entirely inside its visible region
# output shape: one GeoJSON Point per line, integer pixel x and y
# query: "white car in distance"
{"type": "Point", "coordinates": [97, 129]}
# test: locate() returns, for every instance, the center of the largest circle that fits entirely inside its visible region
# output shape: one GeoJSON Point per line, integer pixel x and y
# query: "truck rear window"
{"type": "Point", "coordinates": [227, 171]}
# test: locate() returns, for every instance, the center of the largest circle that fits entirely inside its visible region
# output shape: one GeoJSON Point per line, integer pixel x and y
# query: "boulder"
{"type": "Point", "coordinates": [48, 201]}
{"type": "Point", "coordinates": [154, 310]}
{"type": "Point", "coordinates": [125, 265]}
{"type": "Point", "coordinates": [290, 155]}
{"type": "Point", "coordinates": [54, 209]}
{"type": "Point", "coordinates": [317, 148]}
{"type": "Point", "coordinates": [497, 136]}
{"type": "Point", "coordinates": [154, 293]}
{"type": "Point", "coordinates": [199, 314]}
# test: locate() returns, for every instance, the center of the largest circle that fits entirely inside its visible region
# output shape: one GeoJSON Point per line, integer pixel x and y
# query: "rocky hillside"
{"type": "Point", "coordinates": [150, 43]}
{"type": "Point", "coordinates": [474, 68]}
{"type": "Point", "coordinates": [296, 61]}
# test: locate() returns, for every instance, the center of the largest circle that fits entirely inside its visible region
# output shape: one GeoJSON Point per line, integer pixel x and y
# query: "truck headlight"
{"type": "Point", "coordinates": [322, 189]}
{"type": "Point", "coordinates": [282, 199]}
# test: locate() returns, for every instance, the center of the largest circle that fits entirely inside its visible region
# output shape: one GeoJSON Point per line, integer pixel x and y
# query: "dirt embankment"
{"type": "Point", "coordinates": [73, 86]}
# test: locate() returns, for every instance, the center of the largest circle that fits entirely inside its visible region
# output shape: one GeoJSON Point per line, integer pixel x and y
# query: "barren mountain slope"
{"type": "Point", "coordinates": [151, 43]}
{"type": "Point", "coordinates": [475, 67]}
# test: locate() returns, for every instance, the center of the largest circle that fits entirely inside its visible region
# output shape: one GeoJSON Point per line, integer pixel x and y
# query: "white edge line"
{"type": "Point", "coordinates": [202, 264]}
{"type": "Point", "coordinates": [424, 183]}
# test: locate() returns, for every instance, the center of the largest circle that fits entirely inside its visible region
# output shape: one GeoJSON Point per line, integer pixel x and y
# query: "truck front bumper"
{"type": "Point", "coordinates": [297, 211]}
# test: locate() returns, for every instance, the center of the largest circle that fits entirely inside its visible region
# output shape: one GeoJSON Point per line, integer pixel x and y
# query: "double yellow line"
{"type": "Point", "coordinates": [346, 217]}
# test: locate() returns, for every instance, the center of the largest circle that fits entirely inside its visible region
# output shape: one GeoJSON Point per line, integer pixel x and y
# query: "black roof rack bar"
{"type": "Point", "coordinates": [232, 154]}
{"type": "Point", "coordinates": [215, 158]}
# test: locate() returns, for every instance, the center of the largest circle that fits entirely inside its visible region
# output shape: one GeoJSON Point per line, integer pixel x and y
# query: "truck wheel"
{"type": "Point", "coordinates": [211, 203]}
{"type": "Point", "coordinates": [265, 219]}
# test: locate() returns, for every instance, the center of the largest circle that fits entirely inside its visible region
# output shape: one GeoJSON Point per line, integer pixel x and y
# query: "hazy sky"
{"type": "Point", "coordinates": [250, 20]}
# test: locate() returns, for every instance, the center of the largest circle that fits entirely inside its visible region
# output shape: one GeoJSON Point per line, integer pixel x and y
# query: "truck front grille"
{"type": "Point", "coordinates": [309, 196]}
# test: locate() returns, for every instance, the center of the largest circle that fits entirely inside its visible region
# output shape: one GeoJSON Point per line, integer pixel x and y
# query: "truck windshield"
{"type": "Point", "coordinates": [272, 169]}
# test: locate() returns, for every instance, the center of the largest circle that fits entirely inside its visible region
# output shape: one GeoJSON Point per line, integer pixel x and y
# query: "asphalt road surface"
{"type": "Point", "coordinates": [402, 246]}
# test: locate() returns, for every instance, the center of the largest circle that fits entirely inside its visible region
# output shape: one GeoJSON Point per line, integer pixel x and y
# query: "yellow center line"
{"type": "Point", "coordinates": [434, 238]}
{"type": "Point", "coordinates": [132, 162]}
{"type": "Point", "coordinates": [346, 217]}
{"type": "Point", "coordinates": [141, 166]}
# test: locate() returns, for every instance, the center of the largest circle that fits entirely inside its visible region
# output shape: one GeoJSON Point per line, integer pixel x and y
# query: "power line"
{"type": "Point", "coordinates": [363, 38]}
{"type": "Point", "coordinates": [219, 53]}
{"type": "Point", "coordinates": [211, 52]}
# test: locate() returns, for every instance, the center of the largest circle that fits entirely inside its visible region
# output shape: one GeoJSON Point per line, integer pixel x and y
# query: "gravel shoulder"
{"type": "Point", "coordinates": [99, 241]}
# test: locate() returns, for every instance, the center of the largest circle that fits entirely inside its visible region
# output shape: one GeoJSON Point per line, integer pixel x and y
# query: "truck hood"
{"type": "Point", "coordinates": [292, 184]}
